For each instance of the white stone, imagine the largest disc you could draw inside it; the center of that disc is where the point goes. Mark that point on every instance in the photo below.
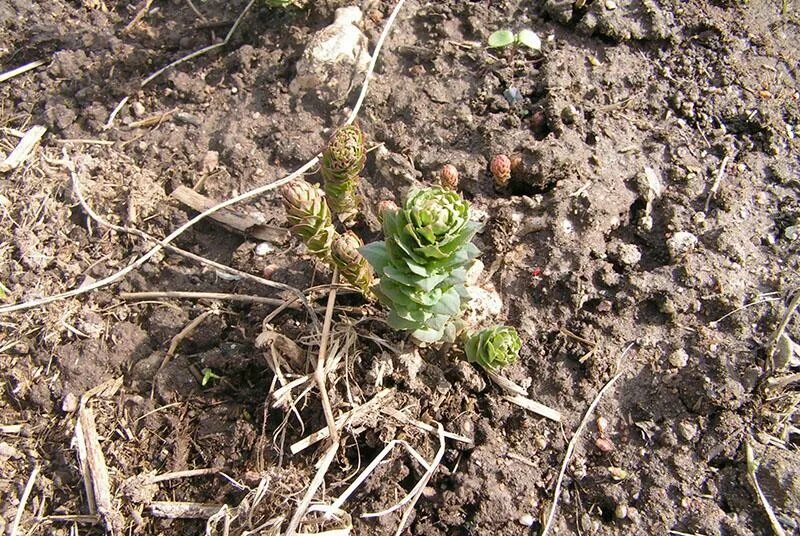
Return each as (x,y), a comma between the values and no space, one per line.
(681,243)
(264,248)
(333,57)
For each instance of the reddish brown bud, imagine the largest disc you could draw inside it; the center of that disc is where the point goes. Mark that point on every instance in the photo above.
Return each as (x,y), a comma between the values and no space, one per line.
(448,177)
(385,206)
(501,170)
(603,444)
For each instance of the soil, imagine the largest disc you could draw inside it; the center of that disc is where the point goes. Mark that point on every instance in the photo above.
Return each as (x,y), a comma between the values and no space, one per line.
(610,236)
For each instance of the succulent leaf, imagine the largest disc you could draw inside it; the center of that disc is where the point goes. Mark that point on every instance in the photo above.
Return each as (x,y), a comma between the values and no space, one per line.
(421,262)
(493,347)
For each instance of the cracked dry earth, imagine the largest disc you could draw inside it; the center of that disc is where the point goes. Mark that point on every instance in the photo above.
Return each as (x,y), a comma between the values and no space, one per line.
(654,207)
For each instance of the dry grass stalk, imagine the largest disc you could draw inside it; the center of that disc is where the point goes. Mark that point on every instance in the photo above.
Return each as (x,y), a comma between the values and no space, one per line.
(342,420)
(23,149)
(183,510)
(8,75)
(752,467)
(93,467)
(517,395)
(23,500)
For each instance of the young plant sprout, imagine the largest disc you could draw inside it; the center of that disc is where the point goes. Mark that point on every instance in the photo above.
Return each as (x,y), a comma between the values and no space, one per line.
(501,170)
(421,263)
(208,375)
(504,38)
(309,217)
(493,347)
(342,162)
(353,267)
(448,177)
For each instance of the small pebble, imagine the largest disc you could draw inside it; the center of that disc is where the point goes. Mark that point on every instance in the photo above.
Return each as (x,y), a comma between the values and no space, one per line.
(680,244)
(569,114)
(687,430)
(70,403)
(629,254)
(679,358)
(621,511)
(602,424)
(611,5)
(138,108)
(526,520)
(264,248)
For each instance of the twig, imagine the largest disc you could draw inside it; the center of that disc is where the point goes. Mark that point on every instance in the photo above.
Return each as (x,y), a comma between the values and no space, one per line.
(717,181)
(324,433)
(23,500)
(139,16)
(201,296)
(370,468)
(752,467)
(185,332)
(573,442)
(86,141)
(86,433)
(402,417)
(742,308)
(519,396)
(23,148)
(371,67)
(114,113)
(8,75)
(238,222)
(420,487)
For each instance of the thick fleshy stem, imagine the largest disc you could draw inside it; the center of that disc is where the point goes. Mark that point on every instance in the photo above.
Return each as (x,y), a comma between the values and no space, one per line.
(309,217)
(341,164)
(352,265)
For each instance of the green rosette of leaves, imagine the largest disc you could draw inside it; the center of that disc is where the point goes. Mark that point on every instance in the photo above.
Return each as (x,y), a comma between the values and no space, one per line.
(342,162)
(422,263)
(309,217)
(351,264)
(493,347)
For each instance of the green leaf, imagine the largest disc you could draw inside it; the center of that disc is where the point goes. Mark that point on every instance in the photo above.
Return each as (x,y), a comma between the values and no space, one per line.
(501,38)
(376,255)
(530,39)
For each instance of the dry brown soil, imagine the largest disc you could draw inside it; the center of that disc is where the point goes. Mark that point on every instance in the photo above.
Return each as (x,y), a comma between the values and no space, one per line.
(623,124)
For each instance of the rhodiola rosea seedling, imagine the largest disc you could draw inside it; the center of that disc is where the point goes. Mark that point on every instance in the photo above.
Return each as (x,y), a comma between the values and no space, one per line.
(310,220)
(309,217)
(493,347)
(342,162)
(422,263)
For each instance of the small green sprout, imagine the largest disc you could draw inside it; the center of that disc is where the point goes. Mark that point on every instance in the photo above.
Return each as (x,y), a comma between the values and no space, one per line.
(208,375)
(493,347)
(504,38)
(3,292)
(422,263)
